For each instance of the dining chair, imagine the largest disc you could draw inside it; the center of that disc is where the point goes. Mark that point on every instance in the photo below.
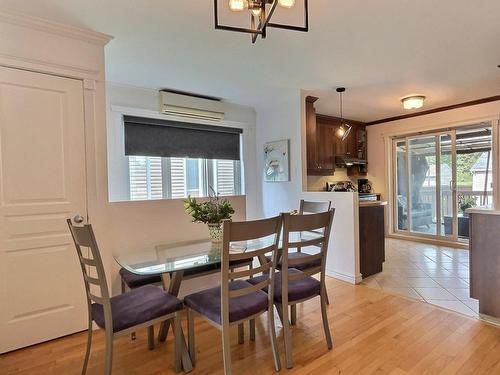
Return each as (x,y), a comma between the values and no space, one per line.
(306,208)
(238,301)
(294,286)
(121,315)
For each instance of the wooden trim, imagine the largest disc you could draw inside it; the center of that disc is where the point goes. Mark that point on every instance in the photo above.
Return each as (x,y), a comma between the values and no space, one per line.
(336,120)
(56,28)
(436,110)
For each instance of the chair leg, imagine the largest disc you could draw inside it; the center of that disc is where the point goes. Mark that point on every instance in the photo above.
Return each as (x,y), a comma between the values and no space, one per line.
(241,333)
(327,300)
(252,329)
(89,344)
(226,350)
(287,337)
(151,337)
(293,315)
(109,352)
(192,349)
(274,343)
(324,317)
(178,342)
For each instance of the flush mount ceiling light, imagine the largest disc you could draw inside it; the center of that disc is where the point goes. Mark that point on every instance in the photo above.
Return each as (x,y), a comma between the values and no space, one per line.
(261,13)
(413,101)
(344,129)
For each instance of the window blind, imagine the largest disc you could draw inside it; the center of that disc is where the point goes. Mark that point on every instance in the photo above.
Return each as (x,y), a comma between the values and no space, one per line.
(224,177)
(145,178)
(165,138)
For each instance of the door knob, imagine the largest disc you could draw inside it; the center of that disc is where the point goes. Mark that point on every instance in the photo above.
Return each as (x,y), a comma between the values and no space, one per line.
(78,219)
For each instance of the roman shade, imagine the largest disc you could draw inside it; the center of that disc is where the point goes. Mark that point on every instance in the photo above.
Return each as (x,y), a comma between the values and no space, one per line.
(166,138)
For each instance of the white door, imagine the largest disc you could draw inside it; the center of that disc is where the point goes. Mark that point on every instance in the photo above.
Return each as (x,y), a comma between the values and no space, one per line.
(42,182)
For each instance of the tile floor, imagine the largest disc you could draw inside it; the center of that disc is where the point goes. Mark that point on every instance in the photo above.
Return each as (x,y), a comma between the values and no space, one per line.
(434,274)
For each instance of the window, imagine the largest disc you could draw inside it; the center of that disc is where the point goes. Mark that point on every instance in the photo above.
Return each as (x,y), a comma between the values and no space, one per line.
(172,160)
(176,178)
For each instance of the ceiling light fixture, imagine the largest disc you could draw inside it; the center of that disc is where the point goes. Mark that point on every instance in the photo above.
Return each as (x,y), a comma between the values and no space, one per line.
(413,101)
(261,13)
(344,129)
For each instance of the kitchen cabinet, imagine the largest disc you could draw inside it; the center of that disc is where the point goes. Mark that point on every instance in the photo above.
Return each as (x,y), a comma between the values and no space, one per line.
(322,144)
(326,147)
(371,238)
(319,147)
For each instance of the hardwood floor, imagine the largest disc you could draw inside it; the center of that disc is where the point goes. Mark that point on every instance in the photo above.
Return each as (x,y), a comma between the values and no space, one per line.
(373,332)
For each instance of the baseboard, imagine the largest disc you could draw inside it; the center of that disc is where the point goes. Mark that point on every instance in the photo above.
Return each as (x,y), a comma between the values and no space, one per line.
(347,277)
(490,319)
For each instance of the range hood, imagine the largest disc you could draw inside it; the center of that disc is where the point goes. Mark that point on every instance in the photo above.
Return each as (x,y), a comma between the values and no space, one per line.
(345,161)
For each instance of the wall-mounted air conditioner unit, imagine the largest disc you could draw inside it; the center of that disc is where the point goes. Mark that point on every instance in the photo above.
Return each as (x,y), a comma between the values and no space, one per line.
(175,104)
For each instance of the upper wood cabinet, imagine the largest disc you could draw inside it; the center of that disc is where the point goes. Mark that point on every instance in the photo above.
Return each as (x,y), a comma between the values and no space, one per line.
(320,149)
(311,135)
(323,145)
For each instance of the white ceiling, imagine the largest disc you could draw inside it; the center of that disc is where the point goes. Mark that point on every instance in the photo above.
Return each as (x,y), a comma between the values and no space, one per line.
(380,50)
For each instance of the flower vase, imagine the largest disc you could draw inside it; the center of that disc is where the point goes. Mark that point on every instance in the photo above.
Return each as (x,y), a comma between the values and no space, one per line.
(215,232)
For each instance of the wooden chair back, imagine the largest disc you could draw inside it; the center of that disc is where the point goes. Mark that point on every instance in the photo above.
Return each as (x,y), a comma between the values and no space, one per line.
(91,265)
(308,207)
(257,238)
(311,230)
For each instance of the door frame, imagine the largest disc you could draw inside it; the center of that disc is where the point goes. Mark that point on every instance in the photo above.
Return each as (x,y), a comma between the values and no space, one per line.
(86,64)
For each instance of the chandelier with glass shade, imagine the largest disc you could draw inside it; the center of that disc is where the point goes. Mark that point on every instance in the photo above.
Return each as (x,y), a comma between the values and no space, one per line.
(260,13)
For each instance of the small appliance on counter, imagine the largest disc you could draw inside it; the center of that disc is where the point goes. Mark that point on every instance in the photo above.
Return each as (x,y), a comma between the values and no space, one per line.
(369,197)
(340,186)
(365,191)
(364,186)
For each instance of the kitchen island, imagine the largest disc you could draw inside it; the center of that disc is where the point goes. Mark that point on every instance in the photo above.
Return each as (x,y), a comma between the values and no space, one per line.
(485,261)
(344,257)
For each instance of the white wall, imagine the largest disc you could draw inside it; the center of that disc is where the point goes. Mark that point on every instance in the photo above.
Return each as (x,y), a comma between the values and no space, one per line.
(378,135)
(281,120)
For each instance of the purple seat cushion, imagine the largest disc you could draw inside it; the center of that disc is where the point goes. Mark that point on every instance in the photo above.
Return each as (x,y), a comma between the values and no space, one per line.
(297,289)
(134,281)
(137,306)
(208,302)
(302,266)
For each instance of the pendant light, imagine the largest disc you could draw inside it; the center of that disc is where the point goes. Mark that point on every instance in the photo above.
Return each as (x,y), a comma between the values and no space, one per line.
(261,16)
(344,129)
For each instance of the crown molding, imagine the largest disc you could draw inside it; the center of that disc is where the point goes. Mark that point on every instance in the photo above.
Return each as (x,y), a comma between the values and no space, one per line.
(52,27)
(436,110)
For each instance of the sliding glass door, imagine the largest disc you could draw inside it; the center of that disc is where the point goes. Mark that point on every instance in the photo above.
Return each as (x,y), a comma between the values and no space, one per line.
(437,177)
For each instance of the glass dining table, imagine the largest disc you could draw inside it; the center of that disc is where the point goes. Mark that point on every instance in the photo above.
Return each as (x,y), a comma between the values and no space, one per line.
(180,261)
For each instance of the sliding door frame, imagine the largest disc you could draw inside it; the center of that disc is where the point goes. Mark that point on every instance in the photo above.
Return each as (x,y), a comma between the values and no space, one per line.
(391,176)
(437,211)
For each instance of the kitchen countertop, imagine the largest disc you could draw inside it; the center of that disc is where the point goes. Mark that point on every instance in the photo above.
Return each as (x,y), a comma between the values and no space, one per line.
(372,203)
(483,210)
